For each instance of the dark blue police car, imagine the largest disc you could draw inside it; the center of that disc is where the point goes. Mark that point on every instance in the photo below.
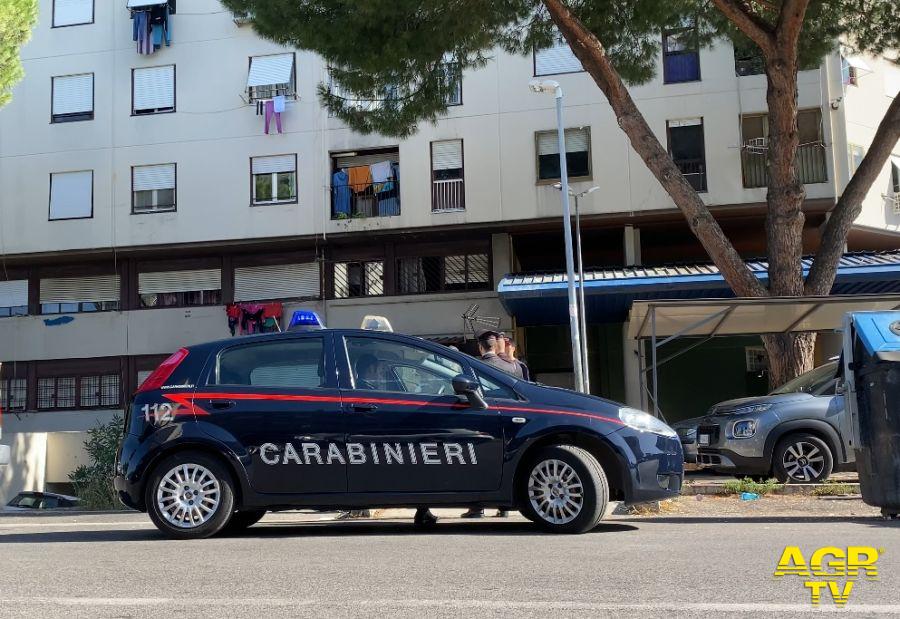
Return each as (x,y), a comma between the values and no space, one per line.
(220,433)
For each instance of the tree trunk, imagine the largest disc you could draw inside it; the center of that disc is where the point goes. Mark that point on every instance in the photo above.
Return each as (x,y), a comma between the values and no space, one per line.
(790,354)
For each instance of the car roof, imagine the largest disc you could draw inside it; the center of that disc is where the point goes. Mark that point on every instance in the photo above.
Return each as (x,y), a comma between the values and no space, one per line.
(267,337)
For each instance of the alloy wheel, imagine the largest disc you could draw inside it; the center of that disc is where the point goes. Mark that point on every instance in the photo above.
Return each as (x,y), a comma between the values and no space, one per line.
(803,461)
(188,495)
(555,491)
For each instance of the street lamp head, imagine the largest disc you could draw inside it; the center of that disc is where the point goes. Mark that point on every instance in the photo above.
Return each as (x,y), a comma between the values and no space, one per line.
(546,86)
(591,190)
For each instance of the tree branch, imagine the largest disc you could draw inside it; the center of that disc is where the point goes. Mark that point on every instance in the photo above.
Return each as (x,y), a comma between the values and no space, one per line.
(588,49)
(756,29)
(824,267)
(790,23)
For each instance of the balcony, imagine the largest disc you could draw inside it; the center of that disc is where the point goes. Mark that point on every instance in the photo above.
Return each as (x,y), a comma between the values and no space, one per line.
(365,184)
(810,164)
(448,195)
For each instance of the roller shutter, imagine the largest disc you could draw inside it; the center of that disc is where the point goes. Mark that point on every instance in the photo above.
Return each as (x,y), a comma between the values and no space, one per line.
(80,289)
(154,88)
(270,70)
(179,281)
(447,155)
(271,165)
(14,293)
(150,177)
(73,94)
(72,12)
(71,195)
(282,281)
(577,140)
(556,59)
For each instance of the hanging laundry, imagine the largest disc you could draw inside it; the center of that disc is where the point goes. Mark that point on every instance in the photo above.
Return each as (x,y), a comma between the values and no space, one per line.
(271,317)
(270,114)
(381,171)
(279,102)
(389,197)
(360,178)
(340,193)
(234,316)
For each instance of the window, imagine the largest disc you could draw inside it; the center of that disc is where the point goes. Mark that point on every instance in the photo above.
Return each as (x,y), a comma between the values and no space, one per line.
(72,12)
(578,154)
(365,183)
(681,58)
(14,298)
(180,288)
(153,188)
(383,365)
(68,392)
(558,58)
(13,394)
(687,149)
(289,364)
(71,195)
(453,81)
(274,179)
(358,279)
(748,59)
(443,273)
(153,90)
(849,74)
(856,154)
(72,98)
(69,295)
(493,389)
(271,76)
(895,184)
(448,191)
(279,281)
(810,162)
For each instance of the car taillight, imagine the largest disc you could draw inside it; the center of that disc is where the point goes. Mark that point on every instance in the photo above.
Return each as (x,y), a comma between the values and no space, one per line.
(161,374)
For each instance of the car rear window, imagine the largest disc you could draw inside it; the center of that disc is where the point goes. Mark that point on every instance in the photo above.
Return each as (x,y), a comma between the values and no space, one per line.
(290,364)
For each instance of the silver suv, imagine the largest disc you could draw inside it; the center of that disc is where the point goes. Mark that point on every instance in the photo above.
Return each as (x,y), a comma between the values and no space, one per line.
(799,432)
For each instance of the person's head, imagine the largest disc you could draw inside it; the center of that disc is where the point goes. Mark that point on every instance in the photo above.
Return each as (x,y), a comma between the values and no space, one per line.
(501,344)
(488,341)
(367,367)
(510,347)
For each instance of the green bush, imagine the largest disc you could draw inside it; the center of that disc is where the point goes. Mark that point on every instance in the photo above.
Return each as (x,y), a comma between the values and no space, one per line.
(94,482)
(737,486)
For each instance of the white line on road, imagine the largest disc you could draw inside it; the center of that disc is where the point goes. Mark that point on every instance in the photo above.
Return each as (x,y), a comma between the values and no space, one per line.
(455,604)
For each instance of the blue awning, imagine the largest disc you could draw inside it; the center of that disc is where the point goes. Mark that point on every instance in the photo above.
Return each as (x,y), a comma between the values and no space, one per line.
(540,298)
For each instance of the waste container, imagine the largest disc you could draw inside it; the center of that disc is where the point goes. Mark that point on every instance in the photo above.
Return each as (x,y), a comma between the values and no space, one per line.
(872,393)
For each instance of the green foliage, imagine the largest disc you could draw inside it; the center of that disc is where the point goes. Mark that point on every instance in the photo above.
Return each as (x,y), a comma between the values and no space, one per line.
(834,488)
(94,482)
(394,52)
(737,486)
(16,19)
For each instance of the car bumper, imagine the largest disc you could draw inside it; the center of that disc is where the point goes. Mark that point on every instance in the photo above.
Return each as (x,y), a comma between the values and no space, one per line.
(730,461)
(128,481)
(4,455)
(655,470)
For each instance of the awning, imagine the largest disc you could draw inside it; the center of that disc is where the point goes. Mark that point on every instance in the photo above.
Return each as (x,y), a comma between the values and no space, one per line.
(707,317)
(270,70)
(140,4)
(540,299)
(858,63)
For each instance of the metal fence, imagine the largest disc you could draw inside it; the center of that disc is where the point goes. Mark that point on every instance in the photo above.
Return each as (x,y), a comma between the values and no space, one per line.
(810,164)
(448,195)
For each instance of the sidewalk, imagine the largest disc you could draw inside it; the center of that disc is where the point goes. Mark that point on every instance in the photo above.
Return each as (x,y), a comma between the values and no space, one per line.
(702,482)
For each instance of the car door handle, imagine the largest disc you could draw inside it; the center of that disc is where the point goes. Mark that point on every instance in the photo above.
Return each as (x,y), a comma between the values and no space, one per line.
(223,405)
(365,408)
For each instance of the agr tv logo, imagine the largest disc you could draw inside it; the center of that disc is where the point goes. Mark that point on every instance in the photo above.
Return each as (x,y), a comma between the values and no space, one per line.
(838,569)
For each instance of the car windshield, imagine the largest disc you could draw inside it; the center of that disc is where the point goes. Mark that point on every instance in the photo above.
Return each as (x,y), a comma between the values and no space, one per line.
(814,382)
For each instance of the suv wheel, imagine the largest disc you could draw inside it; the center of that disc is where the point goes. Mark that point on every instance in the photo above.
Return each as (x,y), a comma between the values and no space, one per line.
(564,490)
(190,496)
(802,458)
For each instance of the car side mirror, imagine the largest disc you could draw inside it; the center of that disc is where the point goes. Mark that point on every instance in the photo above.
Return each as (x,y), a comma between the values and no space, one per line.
(470,388)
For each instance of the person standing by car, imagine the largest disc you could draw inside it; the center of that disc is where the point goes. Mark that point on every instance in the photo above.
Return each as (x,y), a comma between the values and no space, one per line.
(491,348)
(509,355)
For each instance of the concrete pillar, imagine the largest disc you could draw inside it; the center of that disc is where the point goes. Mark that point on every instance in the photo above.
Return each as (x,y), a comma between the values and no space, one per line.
(502,258)
(631,363)
(632,246)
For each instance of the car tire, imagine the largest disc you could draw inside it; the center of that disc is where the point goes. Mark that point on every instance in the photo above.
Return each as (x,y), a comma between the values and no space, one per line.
(802,458)
(184,477)
(243,520)
(549,490)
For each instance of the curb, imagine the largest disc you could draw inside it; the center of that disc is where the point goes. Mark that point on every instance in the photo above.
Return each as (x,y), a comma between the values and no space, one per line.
(782,490)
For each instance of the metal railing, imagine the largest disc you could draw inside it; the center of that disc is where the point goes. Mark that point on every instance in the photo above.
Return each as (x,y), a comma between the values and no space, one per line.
(448,195)
(810,164)
(360,200)
(694,170)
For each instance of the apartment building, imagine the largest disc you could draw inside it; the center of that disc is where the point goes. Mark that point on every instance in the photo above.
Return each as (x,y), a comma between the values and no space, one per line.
(170,178)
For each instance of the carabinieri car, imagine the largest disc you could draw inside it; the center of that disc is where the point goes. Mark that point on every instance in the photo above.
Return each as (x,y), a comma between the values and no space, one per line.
(220,433)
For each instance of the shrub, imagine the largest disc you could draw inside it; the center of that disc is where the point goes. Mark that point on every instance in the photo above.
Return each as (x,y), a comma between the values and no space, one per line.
(737,486)
(94,482)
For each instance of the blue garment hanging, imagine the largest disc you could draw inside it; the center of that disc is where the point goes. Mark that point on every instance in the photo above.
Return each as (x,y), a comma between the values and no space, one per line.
(340,192)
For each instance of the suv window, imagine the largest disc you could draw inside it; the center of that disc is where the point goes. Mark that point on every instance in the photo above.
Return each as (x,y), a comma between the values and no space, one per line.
(381,365)
(291,364)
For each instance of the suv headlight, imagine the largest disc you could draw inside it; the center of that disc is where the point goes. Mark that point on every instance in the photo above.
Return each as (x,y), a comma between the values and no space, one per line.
(639,420)
(744,429)
(750,410)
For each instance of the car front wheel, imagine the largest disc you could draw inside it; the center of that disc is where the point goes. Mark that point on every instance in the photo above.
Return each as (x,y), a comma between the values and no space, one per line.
(802,458)
(190,496)
(565,490)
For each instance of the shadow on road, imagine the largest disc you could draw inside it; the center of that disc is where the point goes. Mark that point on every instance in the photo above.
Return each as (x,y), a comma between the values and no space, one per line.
(309,529)
(873,521)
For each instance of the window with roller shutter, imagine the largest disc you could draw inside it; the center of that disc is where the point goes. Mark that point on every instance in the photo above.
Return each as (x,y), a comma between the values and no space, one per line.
(69,295)
(71,195)
(187,288)
(271,76)
(274,179)
(14,298)
(72,12)
(72,98)
(153,188)
(448,191)
(578,154)
(277,282)
(556,59)
(153,90)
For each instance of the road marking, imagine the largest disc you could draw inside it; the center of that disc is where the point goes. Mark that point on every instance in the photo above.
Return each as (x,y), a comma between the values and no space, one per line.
(457,604)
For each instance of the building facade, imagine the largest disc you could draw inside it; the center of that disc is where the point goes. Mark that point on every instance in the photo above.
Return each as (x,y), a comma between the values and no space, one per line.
(171,178)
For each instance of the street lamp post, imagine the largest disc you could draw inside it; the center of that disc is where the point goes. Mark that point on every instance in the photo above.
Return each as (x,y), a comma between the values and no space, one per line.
(549,86)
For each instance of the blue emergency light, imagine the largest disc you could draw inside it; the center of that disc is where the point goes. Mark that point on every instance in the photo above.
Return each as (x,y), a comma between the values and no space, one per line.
(305,320)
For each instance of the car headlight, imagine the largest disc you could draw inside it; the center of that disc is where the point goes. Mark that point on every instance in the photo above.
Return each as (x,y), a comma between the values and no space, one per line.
(639,420)
(744,429)
(750,410)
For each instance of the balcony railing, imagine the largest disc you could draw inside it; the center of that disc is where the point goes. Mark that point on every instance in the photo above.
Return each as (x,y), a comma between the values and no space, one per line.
(694,170)
(810,166)
(352,201)
(448,195)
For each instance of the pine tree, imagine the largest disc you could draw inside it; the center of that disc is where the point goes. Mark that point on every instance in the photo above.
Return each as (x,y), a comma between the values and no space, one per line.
(16,19)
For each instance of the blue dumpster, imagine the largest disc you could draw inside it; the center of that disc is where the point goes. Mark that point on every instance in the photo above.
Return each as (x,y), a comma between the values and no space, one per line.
(872,386)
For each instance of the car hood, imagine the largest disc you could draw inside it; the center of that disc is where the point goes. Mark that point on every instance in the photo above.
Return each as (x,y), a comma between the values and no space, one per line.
(724,408)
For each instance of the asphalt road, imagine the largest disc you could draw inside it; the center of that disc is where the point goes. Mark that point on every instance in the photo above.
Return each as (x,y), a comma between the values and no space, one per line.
(289,565)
